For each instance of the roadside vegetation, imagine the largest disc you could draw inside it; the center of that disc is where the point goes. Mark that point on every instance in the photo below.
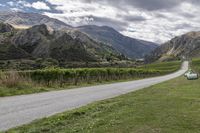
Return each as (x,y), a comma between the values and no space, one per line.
(169,107)
(34,81)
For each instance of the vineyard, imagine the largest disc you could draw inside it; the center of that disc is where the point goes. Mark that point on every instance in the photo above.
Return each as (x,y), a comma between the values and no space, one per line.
(78,76)
(22,82)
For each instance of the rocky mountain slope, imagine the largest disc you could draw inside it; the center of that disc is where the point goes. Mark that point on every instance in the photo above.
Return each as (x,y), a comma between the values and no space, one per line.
(25,20)
(132,48)
(39,42)
(185,46)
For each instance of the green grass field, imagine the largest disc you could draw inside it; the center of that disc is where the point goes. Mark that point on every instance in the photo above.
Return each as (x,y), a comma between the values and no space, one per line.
(196,64)
(173,65)
(169,107)
(57,79)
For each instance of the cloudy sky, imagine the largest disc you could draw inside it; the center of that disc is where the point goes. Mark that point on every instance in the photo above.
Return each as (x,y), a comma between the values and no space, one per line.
(153,20)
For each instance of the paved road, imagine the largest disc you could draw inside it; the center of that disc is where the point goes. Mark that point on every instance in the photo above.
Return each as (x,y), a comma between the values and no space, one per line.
(18,110)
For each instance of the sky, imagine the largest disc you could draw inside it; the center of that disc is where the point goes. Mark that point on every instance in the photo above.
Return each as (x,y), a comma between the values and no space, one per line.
(151,20)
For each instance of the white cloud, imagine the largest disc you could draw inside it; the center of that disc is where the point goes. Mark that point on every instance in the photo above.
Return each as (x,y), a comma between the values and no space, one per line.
(40,5)
(16,9)
(11,3)
(76,13)
(24,3)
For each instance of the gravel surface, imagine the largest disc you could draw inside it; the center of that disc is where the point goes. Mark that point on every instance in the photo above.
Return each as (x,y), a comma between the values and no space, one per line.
(19,110)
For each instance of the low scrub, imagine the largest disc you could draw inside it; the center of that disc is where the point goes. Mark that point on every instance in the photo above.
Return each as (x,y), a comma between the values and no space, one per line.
(26,82)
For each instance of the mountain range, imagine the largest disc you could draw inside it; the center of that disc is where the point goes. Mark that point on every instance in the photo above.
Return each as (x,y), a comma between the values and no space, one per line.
(40,42)
(24,35)
(130,47)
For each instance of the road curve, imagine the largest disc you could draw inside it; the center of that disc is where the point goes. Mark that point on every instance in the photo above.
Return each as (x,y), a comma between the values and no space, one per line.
(19,110)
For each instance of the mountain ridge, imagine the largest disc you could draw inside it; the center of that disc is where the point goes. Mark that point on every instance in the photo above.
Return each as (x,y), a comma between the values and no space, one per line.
(130,47)
(28,20)
(133,48)
(180,47)
(39,42)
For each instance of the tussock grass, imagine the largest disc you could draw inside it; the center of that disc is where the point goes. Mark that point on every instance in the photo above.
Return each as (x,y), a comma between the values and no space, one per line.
(12,83)
(11,79)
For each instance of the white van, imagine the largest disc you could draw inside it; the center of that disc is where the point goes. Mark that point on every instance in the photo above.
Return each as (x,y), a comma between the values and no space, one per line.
(192,76)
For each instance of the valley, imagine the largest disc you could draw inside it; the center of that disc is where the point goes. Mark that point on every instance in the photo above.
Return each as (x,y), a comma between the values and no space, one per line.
(57,77)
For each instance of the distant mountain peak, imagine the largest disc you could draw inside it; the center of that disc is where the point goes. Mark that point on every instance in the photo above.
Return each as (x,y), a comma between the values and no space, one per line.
(30,19)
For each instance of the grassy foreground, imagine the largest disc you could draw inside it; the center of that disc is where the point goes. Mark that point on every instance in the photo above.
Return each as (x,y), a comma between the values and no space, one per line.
(170,107)
(27,82)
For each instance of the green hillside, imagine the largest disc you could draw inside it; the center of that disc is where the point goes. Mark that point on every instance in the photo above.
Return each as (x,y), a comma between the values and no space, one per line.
(196,64)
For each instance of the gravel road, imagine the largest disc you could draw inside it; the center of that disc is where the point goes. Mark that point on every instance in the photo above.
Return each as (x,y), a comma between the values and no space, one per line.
(19,110)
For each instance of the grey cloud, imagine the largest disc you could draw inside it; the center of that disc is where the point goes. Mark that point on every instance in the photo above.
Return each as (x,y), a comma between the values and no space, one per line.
(187,15)
(150,5)
(132,18)
(160,15)
(100,21)
(183,26)
(118,25)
